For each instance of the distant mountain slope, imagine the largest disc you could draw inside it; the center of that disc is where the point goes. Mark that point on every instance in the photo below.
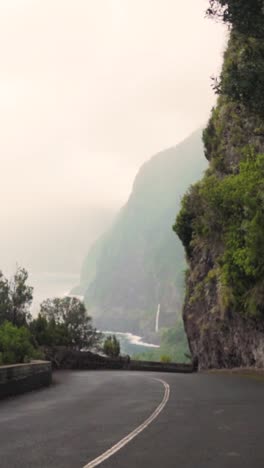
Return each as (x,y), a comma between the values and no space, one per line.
(139,263)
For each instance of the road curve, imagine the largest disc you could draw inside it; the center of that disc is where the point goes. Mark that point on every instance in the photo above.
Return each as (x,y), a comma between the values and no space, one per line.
(209,421)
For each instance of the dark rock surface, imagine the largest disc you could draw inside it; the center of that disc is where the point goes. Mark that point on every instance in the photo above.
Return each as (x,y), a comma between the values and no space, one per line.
(220,334)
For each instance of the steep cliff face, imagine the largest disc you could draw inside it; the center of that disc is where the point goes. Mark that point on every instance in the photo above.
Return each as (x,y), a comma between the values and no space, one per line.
(136,266)
(221,222)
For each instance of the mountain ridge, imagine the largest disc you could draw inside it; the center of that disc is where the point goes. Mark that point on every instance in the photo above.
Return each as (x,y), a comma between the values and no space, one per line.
(135,266)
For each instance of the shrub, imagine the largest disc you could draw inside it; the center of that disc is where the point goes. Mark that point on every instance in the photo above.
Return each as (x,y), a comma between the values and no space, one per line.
(165,359)
(15,344)
(111,346)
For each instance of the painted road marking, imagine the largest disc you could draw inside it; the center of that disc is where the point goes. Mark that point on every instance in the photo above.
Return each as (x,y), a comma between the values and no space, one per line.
(134,433)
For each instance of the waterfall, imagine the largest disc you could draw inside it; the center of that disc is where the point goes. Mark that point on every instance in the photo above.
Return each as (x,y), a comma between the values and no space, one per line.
(157,319)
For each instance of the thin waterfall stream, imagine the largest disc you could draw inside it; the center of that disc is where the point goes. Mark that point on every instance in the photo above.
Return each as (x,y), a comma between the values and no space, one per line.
(157,319)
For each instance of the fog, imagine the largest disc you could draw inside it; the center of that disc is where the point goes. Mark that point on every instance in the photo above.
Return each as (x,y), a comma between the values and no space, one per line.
(89,90)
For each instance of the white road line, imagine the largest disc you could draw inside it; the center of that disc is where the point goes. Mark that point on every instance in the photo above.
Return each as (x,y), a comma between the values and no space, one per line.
(134,433)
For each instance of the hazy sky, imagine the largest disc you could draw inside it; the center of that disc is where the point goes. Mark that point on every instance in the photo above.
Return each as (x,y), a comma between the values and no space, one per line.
(90,89)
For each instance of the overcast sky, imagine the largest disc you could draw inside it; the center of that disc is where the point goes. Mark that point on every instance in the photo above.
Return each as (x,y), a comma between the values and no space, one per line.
(90,89)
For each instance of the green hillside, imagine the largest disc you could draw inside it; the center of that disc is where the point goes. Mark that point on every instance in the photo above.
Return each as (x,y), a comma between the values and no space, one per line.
(136,265)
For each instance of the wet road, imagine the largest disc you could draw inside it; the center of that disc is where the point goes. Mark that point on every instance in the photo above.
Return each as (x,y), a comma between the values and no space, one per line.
(209,421)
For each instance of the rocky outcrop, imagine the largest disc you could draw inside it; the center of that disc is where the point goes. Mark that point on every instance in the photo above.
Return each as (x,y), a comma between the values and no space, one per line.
(218,337)
(221,220)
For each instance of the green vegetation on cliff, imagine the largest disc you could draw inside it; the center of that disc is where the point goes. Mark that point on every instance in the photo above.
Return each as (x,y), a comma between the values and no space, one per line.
(230,211)
(245,16)
(173,346)
(242,79)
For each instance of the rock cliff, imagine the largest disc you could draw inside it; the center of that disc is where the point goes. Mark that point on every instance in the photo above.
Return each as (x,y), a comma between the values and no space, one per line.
(221,222)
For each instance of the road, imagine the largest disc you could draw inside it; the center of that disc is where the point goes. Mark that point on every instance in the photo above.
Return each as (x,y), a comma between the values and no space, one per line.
(209,421)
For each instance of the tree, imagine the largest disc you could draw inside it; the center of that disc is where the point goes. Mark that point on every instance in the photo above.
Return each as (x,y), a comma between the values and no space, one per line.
(49,333)
(242,78)
(64,321)
(111,346)
(246,16)
(15,298)
(39,328)
(4,299)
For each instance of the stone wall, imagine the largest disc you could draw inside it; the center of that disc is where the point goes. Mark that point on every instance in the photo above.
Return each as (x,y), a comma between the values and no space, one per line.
(160,367)
(21,378)
(63,358)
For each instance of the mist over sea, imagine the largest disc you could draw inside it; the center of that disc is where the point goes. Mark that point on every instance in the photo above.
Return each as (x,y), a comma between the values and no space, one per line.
(49,285)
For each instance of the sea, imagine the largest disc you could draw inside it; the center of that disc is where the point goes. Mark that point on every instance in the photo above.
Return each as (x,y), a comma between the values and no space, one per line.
(49,285)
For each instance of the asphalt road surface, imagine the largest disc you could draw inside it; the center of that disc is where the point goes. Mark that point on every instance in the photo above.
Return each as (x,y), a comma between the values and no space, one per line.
(208,421)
